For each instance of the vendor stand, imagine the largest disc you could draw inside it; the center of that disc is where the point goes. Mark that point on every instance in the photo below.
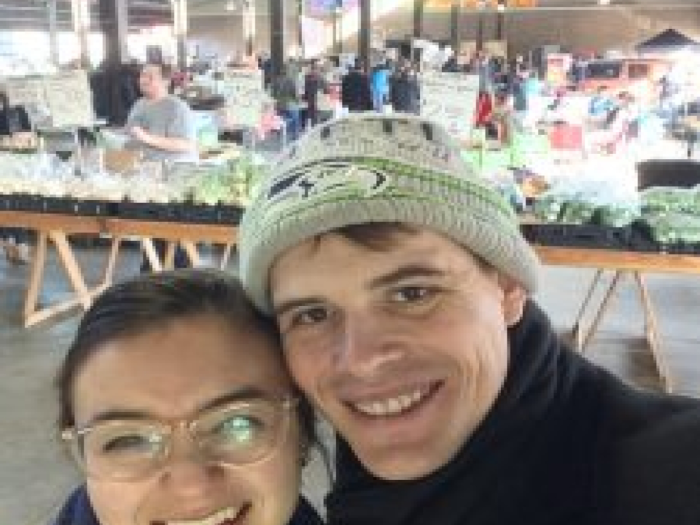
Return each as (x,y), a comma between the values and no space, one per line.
(56,229)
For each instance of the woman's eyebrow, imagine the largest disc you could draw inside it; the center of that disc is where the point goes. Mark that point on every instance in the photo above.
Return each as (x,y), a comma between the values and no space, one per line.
(241,394)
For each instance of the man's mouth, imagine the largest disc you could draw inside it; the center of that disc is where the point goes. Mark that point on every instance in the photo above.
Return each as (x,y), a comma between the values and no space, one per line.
(227,516)
(396,404)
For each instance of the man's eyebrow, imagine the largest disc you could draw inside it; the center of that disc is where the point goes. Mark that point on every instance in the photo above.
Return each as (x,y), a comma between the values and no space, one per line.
(409,271)
(242,394)
(286,306)
(404,272)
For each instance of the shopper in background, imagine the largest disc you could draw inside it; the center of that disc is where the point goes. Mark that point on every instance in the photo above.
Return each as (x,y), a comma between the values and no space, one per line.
(380,85)
(314,83)
(178,408)
(15,241)
(356,93)
(404,89)
(162,125)
(285,92)
(454,400)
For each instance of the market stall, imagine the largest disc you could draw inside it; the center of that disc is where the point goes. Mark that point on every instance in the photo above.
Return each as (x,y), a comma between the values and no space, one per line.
(56,230)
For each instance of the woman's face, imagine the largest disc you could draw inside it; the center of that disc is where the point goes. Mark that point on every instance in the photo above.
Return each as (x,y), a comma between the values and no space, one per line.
(170,374)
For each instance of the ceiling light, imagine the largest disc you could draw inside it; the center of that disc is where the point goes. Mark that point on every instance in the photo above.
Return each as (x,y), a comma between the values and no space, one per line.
(603,2)
(230,5)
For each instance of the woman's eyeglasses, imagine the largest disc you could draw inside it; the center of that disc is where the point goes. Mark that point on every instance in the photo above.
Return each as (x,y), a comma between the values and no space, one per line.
(235,434)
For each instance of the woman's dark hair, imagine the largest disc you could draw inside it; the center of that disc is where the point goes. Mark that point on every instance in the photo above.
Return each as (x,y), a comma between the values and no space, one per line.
(145,303)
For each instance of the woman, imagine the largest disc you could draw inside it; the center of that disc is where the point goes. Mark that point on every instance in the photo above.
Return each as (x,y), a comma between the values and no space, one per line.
(176,404)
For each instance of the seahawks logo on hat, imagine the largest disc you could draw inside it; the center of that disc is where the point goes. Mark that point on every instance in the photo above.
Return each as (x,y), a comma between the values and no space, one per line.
(327,178)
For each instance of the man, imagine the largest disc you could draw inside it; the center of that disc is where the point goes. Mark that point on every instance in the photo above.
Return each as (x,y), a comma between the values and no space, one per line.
(314,85)
(404,89)
(164,128)
(355,92)
(161,125)
(400,285)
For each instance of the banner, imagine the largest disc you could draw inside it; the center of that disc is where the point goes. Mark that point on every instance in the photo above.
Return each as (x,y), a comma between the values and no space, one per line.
(313,34)
(59,101)
(450,99)
(245,96)
(70,100)
(327,8)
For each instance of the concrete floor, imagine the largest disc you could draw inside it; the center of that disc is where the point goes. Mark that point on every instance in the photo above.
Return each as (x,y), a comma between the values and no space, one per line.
(35,475)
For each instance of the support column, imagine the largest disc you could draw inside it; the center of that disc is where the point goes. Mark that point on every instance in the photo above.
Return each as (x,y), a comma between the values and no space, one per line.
(455,15)
(480,29)
(53,31)
(418,10)
(365,43)
(249,28)
(115,14)
(180,26)
(81,25)
(277,36)
(500,24)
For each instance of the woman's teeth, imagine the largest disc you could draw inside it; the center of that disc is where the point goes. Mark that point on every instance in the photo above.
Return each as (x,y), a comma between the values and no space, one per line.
(217,518)
(394,405)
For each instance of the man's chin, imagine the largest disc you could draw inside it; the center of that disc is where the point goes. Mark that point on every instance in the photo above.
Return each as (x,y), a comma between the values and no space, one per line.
(400,465)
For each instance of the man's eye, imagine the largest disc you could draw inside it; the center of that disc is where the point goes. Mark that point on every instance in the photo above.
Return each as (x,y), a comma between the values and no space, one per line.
(409,294)
(310,316)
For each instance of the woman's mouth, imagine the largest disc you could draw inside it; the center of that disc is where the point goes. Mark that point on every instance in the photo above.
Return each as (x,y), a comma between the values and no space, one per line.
(226,516)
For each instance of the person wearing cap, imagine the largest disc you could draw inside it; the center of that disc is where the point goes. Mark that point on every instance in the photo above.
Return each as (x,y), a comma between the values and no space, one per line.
(401,287)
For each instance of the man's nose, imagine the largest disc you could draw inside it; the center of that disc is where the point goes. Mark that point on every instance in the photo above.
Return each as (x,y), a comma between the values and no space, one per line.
(366,345)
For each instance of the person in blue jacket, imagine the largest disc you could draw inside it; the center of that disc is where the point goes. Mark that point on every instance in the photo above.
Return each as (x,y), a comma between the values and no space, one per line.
(176,405)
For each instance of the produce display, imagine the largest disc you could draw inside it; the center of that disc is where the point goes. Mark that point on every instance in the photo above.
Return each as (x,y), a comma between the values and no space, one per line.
(42,182)
(673,228)
(671,200)
(659,218)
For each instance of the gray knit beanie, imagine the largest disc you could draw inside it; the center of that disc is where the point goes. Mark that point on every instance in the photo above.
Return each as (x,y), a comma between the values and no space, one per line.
(377,168)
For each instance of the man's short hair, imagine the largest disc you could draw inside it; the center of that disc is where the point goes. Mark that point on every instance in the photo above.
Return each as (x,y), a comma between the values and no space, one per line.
(166,70)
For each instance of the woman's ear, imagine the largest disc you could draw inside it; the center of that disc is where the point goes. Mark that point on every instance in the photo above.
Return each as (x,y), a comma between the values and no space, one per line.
(514,299)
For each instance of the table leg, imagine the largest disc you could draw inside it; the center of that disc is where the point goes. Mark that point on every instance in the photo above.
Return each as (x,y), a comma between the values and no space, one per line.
(226,257)
(601,310)
(112,261)
(70,265)
(652,334)
(170,249)
(192,253)
(151,254)
(36,277)
(577,331)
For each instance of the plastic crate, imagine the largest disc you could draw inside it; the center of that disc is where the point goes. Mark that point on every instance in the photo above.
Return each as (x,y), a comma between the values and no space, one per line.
(7,202)
(147,211)
(578,235)
(229,214)
(26,202)
(198,213)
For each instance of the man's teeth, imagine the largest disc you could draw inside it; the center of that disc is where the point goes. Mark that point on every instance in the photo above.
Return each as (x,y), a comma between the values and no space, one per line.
(217,518)
(394,405)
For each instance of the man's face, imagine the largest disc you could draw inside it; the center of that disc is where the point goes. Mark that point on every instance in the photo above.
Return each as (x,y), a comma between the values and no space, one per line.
(171,373)
(404,350)
(151,82)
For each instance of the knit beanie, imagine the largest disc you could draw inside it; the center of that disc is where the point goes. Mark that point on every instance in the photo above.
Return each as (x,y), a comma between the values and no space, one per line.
(373,167)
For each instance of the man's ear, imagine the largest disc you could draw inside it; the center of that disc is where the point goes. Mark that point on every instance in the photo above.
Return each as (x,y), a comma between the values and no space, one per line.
(514,299)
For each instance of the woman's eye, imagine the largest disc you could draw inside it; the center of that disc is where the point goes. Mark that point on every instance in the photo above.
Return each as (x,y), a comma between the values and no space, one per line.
(240,429)
(130,443)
